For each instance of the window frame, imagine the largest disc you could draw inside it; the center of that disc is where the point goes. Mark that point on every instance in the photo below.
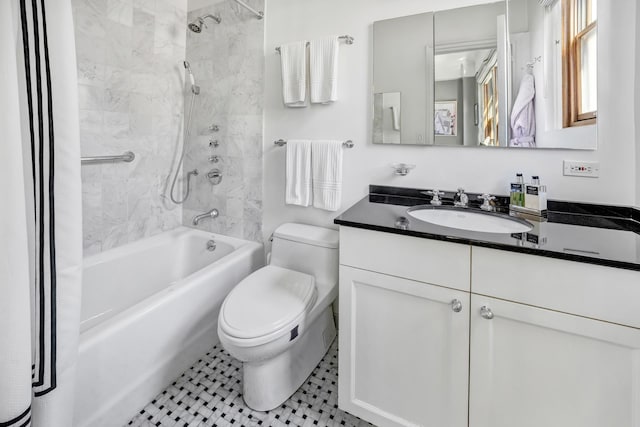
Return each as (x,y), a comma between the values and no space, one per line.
(571,54)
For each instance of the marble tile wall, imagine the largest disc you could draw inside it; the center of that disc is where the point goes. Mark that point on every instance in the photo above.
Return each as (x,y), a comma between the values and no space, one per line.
(130,55)
(228,63)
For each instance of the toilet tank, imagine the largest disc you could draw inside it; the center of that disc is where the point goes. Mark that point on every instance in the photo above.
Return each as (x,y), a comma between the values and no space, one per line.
(307,249)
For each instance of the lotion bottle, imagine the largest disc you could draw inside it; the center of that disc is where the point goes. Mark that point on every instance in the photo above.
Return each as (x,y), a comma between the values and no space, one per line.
(517,191)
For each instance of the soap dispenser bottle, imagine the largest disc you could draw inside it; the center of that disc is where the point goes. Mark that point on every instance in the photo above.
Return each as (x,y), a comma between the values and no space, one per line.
(517,191)
(535,196)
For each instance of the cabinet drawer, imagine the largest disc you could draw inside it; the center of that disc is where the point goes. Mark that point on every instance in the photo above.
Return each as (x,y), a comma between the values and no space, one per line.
(588,290)
(430,261)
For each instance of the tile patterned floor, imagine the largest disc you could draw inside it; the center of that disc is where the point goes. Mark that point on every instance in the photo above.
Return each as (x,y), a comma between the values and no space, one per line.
(210,394)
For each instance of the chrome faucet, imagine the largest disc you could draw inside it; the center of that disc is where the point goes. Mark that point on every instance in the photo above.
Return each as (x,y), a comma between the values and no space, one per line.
(435,200)
(461,199)
(213,213)
(486,204)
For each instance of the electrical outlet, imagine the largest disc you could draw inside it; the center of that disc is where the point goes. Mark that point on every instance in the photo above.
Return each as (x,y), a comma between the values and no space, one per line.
(581,168)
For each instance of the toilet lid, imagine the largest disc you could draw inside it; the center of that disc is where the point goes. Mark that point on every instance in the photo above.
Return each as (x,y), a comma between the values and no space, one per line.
(269,300)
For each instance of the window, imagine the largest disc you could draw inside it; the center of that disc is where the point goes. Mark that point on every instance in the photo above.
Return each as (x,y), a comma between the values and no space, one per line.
(579,62)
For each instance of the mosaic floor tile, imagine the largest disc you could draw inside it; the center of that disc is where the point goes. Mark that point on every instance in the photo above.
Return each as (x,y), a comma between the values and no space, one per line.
(210,394)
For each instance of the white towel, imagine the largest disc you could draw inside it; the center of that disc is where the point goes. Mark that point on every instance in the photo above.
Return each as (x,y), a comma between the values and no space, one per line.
(326,157)
(298,173)
(323,70)
(293,59)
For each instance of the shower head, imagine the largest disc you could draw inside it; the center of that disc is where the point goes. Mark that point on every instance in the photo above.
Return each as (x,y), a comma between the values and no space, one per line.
(197,24)
(194,87)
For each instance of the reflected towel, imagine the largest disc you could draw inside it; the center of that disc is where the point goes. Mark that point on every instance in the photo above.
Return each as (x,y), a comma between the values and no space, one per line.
(298,173)
(293,60)
(323,70)
(327,174)
(523,116)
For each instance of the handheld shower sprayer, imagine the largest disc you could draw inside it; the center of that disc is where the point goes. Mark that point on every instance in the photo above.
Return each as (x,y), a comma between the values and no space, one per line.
(194,87)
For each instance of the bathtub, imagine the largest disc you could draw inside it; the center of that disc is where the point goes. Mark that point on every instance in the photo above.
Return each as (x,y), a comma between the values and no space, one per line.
(149,312)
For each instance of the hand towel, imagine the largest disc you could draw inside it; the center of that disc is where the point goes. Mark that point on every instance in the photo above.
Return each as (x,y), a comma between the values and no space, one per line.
(326,159)
(323,70)
(293,60)
(298,173)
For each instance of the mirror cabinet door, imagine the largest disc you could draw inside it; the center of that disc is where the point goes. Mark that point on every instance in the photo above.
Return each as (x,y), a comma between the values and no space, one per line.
(402,76)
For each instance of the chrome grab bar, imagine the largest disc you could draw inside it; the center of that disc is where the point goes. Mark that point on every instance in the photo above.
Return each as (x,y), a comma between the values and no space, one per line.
(127,157)
(346,144)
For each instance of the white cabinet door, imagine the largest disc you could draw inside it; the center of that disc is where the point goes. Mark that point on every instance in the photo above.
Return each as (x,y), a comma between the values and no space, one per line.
(532,367)
(404,351)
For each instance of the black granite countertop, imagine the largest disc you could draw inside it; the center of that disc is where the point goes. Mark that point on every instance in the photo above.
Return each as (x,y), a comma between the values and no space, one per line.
(595,234)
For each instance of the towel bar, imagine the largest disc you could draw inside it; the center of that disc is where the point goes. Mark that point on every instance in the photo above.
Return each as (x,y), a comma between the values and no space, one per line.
(346,144)
(347,39)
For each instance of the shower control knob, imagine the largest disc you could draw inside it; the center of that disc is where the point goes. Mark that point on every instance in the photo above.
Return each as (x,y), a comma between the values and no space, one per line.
(214,128)
(214,143)
(214,159)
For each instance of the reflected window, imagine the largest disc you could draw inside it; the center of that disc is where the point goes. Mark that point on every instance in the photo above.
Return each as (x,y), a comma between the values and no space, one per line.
(579,62)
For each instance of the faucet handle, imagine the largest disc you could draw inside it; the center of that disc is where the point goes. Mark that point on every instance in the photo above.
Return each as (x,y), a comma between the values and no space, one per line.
(486,197)
(436,197)
(486,204)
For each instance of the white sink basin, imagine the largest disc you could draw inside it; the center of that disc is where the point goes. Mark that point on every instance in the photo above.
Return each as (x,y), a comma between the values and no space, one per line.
(469,220)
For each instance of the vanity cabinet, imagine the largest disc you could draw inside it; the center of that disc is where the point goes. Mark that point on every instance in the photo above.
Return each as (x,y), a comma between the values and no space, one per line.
(404,340)
(405,366)
(538,341)
(534,367)
(553,342)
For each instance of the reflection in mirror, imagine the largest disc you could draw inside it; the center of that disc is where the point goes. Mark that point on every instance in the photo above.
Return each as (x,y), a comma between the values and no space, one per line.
(554,72)
(471,83)
(402,72)
(386,121)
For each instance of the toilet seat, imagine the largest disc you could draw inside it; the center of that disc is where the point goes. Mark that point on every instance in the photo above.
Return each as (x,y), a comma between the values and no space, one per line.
(267,304)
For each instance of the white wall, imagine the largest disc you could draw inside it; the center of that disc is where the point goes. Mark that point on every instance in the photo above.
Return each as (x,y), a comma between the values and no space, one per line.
(476,169)
(637,121)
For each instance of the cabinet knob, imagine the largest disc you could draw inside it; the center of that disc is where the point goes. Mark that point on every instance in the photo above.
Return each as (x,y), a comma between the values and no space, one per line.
(456,305)
(486,312)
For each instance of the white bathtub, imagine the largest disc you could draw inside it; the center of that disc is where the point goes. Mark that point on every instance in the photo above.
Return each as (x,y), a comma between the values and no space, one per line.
(149,311)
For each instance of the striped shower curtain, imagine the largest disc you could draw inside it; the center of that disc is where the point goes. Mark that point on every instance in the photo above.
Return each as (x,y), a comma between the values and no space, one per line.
(40,213)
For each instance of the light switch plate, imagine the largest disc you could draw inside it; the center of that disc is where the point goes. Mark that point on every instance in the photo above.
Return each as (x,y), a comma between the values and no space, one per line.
(581,168)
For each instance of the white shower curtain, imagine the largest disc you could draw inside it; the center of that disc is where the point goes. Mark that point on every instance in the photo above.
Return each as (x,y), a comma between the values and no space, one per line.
(40,213)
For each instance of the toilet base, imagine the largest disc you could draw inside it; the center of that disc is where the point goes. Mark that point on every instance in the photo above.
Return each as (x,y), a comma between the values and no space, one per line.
(269,383)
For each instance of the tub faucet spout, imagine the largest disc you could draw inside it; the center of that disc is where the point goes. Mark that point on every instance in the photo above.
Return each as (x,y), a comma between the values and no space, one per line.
(213,213)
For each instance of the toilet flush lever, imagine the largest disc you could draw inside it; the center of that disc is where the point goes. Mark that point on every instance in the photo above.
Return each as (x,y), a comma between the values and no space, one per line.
(456,305)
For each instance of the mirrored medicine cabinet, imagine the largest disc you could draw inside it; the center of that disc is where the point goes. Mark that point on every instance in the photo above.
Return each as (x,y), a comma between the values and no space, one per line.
(513,73)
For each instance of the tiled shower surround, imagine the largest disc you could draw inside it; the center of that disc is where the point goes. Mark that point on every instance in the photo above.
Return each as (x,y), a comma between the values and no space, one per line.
(130,71)
(228,63)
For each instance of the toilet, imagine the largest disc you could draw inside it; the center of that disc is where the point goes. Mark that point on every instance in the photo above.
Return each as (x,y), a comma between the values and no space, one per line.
(278,321)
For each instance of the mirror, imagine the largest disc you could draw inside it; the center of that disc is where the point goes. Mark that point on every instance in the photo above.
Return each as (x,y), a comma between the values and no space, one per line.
(490,75)
(402,93)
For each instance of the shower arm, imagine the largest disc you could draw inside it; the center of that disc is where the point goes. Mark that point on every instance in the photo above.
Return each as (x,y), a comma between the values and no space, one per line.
(257,13)
(214,17)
